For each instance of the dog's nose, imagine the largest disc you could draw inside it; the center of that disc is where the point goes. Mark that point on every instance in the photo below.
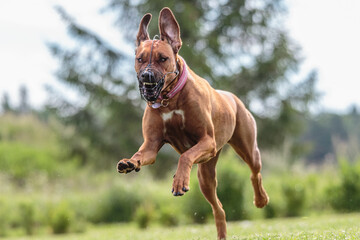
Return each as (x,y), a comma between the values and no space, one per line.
(148,77)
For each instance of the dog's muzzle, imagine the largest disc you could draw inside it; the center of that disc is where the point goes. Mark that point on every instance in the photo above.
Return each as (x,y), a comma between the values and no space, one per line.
(151,83)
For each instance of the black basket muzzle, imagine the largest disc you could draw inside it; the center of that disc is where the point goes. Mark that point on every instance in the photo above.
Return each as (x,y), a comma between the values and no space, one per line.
(151,83)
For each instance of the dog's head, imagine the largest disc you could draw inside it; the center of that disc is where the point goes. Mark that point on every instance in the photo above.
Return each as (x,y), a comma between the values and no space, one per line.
(156,60)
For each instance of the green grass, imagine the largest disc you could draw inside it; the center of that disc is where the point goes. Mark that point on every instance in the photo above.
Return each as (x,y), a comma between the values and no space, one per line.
(323,227)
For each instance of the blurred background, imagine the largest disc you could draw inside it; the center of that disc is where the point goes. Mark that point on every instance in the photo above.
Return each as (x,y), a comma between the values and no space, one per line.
(70,109)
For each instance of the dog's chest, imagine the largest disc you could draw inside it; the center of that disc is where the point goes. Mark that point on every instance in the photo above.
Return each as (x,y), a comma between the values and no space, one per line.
(174,117)
(175,130)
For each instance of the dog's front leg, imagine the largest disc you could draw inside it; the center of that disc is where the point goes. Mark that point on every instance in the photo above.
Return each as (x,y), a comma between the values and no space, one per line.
(144,156)
(201,152)
(153,141)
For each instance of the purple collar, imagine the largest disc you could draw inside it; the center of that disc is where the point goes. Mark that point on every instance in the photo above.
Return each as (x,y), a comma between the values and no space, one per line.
(179,85)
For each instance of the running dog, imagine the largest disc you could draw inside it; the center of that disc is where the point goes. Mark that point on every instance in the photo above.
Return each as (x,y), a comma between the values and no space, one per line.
(195,119)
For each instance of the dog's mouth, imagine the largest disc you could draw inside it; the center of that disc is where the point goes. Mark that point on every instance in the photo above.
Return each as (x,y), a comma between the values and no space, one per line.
(151,91)
(150,85)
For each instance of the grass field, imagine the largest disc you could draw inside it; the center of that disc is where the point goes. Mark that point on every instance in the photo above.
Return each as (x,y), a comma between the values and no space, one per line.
(323,227)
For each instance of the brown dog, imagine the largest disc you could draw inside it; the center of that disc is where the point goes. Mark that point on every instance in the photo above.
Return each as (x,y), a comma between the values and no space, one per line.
(186,112)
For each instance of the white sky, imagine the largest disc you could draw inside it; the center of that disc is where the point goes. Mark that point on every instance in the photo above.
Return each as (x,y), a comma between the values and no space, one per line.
(327,30)
(329,33)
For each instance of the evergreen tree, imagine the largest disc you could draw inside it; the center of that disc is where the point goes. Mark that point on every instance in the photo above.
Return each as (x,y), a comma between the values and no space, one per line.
(5,103)
(333,136)
(24,106)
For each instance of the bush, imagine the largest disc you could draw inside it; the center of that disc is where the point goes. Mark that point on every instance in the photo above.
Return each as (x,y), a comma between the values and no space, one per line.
(232,178)
(196,205)
(345,196)
(61,219)
(231,175)
(27,214)
(143,215)
(295,197)
(3,226)
(4,221)
(168,217)
(117,204)
(29,147)
(19,160)
(270,211)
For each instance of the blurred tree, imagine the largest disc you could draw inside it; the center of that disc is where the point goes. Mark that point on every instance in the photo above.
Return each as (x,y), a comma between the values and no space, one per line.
(24,105)
(5,103)
(107,126)
(239,46)
(333,136)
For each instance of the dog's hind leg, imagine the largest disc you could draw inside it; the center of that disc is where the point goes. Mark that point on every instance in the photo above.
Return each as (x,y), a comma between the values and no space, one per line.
(244,143)
(208,184)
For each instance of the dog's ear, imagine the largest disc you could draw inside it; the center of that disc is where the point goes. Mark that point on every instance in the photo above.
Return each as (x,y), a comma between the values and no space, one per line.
(169,29)
(143,29)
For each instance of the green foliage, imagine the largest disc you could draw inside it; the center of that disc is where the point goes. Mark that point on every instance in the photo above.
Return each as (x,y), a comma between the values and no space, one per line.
(32,150)
(4,221)
(3,226)
(27,214)
(270,211)
(196,205)
(295,197)
(232,179)
(168,217)
(339,226)
(117,204)
(29,147)
(144,215)
(21,161)
(28,129)
(321,132)
(345,196)
(148,201)
(61,218)
(332,136)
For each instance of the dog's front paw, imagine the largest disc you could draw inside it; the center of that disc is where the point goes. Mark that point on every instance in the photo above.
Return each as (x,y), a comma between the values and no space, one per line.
(180,185)
(128,165)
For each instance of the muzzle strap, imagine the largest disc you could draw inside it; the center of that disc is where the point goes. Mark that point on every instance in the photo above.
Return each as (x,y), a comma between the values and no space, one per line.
(181,82)
(156,37)
(179,85)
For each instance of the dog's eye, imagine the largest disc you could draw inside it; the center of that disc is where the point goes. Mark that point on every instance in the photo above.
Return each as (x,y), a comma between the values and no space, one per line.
(163,59)
(139,60)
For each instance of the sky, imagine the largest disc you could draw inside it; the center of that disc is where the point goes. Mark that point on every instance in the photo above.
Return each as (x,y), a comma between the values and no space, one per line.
(327,30)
